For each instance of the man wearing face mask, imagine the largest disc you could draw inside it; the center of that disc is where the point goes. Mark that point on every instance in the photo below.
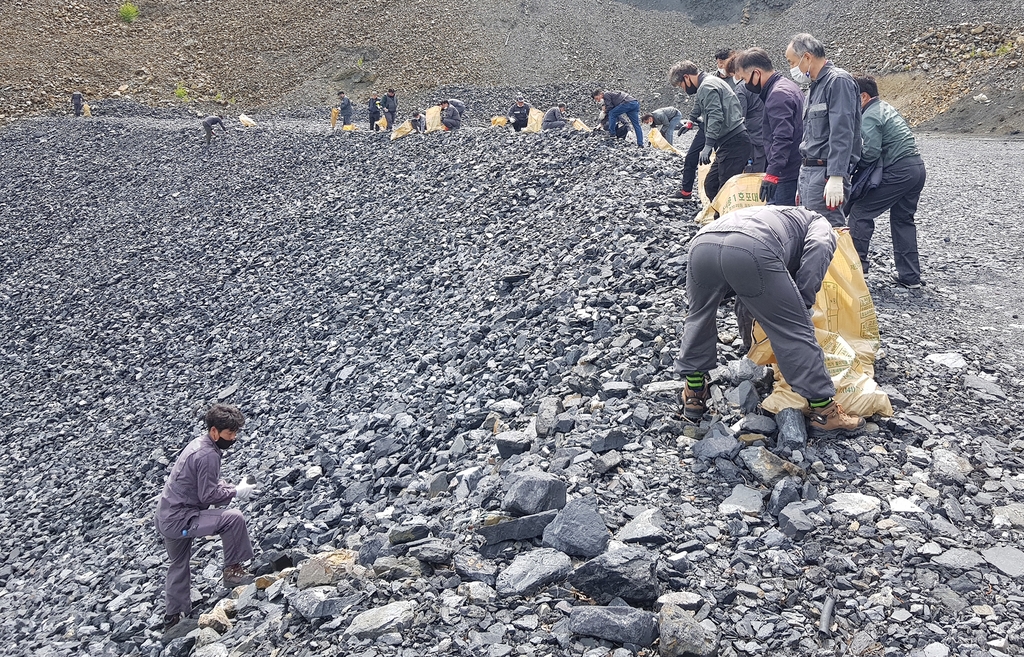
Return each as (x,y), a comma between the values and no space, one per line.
(184,512)
(753,116)
(722,56)
(717,108)
(782,125)
(831,142)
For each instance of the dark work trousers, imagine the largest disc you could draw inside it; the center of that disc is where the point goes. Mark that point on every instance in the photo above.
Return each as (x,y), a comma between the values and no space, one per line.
(785,193)
(230,525)
(811,187)
(390,118)
(757,156)
(731,158)
(346,119)
(691,160)
(519,126)
(724,262)
(373,122)
(899,192)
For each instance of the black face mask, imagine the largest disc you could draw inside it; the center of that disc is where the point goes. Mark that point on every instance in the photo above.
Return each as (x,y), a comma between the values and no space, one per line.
(689,90)
(751,87)
(223,444)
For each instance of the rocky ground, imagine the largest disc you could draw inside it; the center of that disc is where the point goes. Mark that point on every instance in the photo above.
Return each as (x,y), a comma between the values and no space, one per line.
(252,54)
(455,355)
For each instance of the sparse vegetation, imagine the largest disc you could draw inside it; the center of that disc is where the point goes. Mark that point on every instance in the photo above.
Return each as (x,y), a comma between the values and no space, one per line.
(181,92)
(127,12)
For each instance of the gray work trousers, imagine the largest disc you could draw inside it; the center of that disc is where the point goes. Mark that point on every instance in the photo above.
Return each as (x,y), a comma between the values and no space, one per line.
(230,525)
(720,262)
(346,119)
(899,192)
(811,188)
(390,118)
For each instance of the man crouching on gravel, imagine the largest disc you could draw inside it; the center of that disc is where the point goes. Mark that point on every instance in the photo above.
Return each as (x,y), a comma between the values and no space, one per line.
(184,512)
(774,258)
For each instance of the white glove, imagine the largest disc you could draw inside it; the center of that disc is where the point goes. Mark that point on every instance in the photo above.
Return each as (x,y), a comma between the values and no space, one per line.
(243,490)
(511,119)
(834,192)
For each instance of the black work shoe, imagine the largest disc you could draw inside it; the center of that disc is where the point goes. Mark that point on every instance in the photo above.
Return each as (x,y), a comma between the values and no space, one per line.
(695,402)
(684,194)
(895,278)
(170,620)
(831,422)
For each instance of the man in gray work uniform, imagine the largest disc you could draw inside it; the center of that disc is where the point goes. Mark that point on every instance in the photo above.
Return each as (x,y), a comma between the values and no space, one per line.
(718,110)
(831,144)
(184,512)
(889,141)
(208,125)
(666,120)
(774,259)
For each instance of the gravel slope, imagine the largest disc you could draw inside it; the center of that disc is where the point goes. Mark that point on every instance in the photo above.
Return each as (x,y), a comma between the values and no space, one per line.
(367,302)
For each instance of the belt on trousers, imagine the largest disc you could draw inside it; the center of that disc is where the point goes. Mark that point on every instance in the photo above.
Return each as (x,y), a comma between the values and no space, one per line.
(814,163)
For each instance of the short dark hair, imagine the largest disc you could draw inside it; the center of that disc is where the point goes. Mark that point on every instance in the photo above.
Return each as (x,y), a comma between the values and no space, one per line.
(341,93)
(223,417)
(596,92)
(867,85)
(561,105)
(804,43)
(645,117)
(391,91)
(754,58)
(443,102)
(681,69)
(723,54)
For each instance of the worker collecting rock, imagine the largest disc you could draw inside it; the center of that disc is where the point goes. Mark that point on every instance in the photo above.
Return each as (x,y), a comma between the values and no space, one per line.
(77,103)
(519,114)
(374,110)
(616,104)
(390,106)
(183,511)
(555,118)
(209,123)
(344,108)
(450,117)
(774,259)
(666,120)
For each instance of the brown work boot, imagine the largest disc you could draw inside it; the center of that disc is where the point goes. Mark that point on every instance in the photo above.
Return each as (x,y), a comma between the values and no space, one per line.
(695,402)
(170,620)
(832,422)
(237,575)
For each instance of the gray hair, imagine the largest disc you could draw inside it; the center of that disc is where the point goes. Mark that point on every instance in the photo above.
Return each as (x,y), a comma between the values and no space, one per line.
(805,43)
(681,69)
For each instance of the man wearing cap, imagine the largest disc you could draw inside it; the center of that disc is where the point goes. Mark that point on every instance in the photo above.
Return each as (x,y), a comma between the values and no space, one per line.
(519,114)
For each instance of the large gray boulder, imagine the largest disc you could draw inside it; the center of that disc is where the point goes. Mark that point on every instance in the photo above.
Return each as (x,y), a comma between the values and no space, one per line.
(534,492)
(578,530)
(532,570)
(627,572)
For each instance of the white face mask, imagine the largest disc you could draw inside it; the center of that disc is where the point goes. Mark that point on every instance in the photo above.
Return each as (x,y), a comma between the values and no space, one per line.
(799,76)
(737,80)
(721,72)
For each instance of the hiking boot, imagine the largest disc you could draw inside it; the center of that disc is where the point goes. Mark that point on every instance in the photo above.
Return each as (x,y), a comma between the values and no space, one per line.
(170,620)
(695,402)
(832,422)
(237,575)
(895,278)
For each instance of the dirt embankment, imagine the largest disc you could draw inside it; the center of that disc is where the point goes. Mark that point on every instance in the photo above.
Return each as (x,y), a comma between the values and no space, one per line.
(248,54)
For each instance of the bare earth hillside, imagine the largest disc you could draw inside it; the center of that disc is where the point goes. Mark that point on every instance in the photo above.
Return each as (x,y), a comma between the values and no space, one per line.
(252,54)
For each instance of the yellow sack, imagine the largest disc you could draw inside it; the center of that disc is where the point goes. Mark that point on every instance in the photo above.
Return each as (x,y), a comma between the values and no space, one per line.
(434,118)
(499,121)
(246,121)
(86,110)
(658,141)
(846,327)
(402,130)
(578,124)
(349,128)
(382,123)
(535,122)
(702,174)
(741,191)
(334,117)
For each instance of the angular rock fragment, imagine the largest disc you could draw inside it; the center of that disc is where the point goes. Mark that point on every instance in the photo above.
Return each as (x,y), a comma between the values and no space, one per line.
(533,570)
(682,636)
(617,624)
(517,529)
(328,568)
(627,572)
(533,492)
(578,530)
(511,443)
(647,527)
(373,623)
(768,468)
(742,500)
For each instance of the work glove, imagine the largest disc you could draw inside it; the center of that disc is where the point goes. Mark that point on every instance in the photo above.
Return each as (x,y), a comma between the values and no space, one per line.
(834,192)
(684,127)
(511,119)
(445,128)
(244,489)
(705,155)
(768,185)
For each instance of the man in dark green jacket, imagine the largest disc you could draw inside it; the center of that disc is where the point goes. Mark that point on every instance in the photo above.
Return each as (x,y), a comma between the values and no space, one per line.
(889,141)
(717,108)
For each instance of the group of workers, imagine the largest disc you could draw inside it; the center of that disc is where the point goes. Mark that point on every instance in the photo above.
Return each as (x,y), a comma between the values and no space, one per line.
(841,152)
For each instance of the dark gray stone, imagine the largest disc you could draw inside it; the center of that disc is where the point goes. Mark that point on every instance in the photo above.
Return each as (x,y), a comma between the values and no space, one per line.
(533,570)
(613,439)
(547,414)
(744,396)
(754,423)
(408,533)
(472,567)
(785,492)
(648,527)
(565,422)
(517,529)
(793,520)
(628,573)
(511,443)
(716,445)
(533,492)
(792,430)
(607,461)
(578,530)
(616,624)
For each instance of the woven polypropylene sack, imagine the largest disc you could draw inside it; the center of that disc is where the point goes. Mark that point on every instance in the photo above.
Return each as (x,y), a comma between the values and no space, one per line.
(741,191)
(846,327)
(402,130)
(535,122)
